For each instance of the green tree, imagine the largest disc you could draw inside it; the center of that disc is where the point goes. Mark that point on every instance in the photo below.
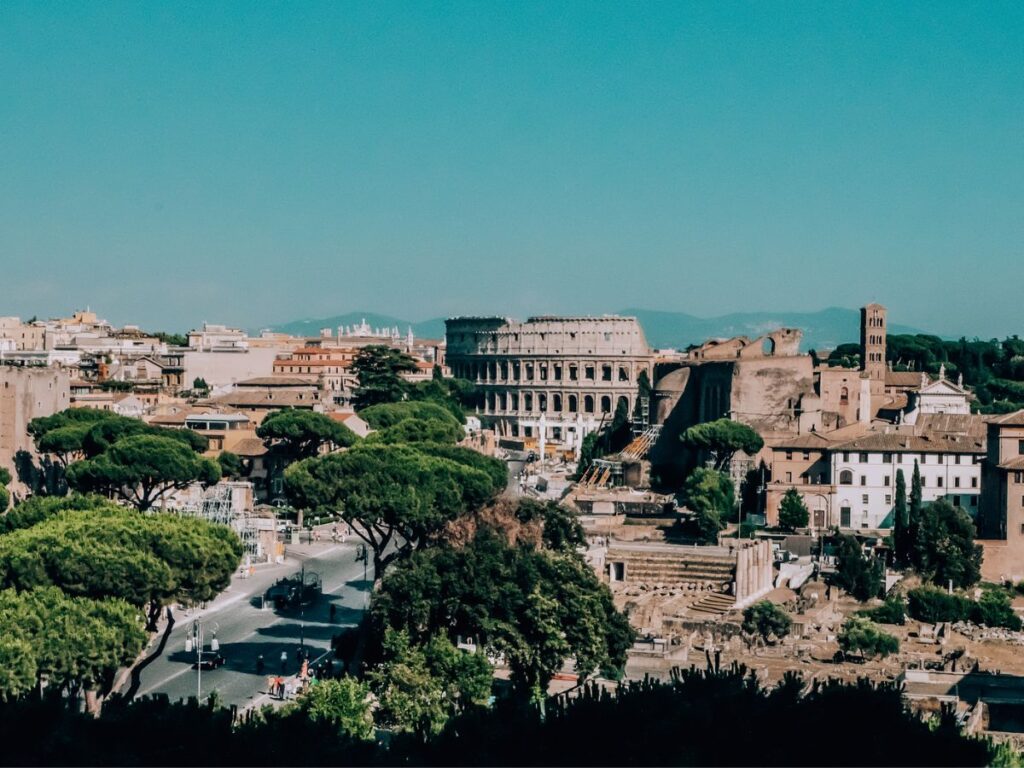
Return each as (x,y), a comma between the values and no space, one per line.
(710,496)
(901,521)
(74,644)
(395,497)
(857,574)
(994,609)
(561,529)
(380,370)
(142,470)
(344,704)
(172,339)
(99,552)
(388,415)
(230,464)
(927,603)
(536,607)
(588,452)
(36,509)
(722,439)
(766,620)
(793,513)
(916,552)
(946,551)
(199,384)
(298,433)
(892,611)
(112,429)
(420,431)
(862,636)
(421,687)
(5,495)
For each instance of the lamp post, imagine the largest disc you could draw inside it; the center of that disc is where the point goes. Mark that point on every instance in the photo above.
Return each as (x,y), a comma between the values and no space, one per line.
(197,642)
(363,554)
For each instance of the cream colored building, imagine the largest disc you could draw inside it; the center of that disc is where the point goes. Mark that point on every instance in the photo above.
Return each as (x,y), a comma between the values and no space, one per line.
(27,392)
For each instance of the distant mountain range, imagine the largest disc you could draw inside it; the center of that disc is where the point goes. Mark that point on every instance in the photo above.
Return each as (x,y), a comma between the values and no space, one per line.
(824,329)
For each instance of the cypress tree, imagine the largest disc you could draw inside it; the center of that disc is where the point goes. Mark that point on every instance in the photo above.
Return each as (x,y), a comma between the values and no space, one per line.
(901,520)
(914,518)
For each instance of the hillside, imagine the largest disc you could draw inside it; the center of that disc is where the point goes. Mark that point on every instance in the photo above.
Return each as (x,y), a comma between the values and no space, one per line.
(825,329)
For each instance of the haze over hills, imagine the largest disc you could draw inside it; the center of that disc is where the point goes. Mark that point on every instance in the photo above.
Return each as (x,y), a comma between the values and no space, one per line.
(824,329)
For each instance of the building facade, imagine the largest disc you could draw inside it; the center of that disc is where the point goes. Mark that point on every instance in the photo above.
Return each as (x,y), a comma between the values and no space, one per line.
(27,392)
(551,378)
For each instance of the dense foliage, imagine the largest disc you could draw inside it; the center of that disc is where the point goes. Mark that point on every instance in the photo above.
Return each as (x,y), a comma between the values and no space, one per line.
(709,495)
(380,370)
(857,573)
(793,512)
(767,621)
(299,433)
(722,439)
(862,636)
(697,718)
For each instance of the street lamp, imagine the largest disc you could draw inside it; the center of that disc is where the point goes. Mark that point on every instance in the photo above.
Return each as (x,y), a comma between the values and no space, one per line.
(363,555)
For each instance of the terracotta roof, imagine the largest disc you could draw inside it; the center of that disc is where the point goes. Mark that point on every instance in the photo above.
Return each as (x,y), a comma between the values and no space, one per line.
(249,446)
(313,363)
(896,442)
(903,378)
(1017,463)
(245,399)
(273,381)
(1015,419)
(807,440)
(951,423)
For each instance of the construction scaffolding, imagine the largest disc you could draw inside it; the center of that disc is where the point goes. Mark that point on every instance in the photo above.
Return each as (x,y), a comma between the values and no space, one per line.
(223,504)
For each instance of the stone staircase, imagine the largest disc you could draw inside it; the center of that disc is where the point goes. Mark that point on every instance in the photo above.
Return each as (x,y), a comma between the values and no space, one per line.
(714,604)
(673,566)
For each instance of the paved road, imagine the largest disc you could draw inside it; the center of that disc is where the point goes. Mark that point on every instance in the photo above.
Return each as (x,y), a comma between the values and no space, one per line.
(245,630)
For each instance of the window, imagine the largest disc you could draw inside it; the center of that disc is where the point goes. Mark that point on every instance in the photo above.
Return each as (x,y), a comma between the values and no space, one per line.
(527,401)
(573,373)
(863,479)
(588,404)
(887,479)
(589,372)
(558,372)
(974,482)
(864,499)
(573,404)
(846,477)
(899,458)
(529,371)
(863,458)
(1020,447)
(789,455)
(846,455)
(956,482)
(606,404)
(938,482)
(807,455)
(844,517)
(956,459)
(789,477)
(886,458)
(606,373)
(623,373)
(543,373)
(924,459)
(556,402)
(888,499)
(542,402)
(844,396)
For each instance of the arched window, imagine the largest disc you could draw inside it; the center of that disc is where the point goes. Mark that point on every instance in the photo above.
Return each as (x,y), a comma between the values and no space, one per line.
(556,403)
(844,396)
(846,477)
(574,404)
(588,404)
(623,401)
(542,402)
(606,404)
(527,402)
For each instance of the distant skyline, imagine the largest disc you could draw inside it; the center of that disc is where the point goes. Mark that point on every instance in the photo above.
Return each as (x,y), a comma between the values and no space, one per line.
(257,163)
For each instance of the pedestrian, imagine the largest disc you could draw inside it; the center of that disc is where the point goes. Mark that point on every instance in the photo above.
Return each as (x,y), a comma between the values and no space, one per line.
(334,533)
(284,661)
(259,664)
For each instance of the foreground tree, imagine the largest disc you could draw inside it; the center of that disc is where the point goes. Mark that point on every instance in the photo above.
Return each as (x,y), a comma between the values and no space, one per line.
(535,607)
(710,496)
(298,434)
(419,688)
(142,470)
(145,560)
(722,439)
(380,370)
(343,704)
(793,513)
(388,415)
(767,621)
(73,644)
(420,431)
(396,498)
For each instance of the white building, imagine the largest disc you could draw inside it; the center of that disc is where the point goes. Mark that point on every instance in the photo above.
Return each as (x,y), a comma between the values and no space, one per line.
(942,396)
(864,473)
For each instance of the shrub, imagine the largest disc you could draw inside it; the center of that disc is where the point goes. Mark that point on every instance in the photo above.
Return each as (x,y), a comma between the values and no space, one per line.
(892,611)
(860,635)
(931,604)
(766,619)
(993,609)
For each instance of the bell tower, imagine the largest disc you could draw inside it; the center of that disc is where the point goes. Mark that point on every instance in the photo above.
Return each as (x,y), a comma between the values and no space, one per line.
(872,345)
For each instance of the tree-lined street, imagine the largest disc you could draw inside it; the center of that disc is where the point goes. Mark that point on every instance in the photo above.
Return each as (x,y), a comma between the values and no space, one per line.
(245,629)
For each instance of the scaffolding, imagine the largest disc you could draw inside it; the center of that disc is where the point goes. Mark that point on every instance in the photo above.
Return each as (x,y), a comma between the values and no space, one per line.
(216,505)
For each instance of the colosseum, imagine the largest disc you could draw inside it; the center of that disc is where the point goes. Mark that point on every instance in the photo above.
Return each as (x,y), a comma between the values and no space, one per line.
(560,375)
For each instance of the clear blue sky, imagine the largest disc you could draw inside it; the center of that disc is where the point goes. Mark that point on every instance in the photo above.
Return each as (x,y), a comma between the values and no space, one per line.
(173,162)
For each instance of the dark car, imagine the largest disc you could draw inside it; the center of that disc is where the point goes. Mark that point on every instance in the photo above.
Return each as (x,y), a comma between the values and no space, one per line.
(210,661)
